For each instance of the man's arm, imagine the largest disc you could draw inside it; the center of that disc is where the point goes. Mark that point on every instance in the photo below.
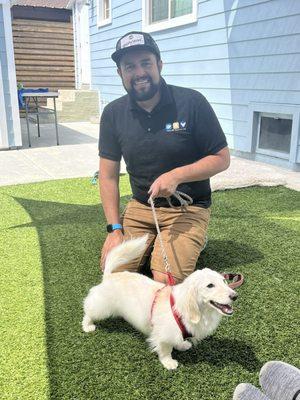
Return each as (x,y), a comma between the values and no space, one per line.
(110,196)
(165,185)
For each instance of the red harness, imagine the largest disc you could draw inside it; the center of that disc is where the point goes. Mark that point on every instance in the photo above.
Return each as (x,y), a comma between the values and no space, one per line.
(177,317)
(237,280)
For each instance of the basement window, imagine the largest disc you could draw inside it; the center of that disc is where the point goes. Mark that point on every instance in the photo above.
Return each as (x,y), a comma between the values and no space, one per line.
(274,134)
(103,12)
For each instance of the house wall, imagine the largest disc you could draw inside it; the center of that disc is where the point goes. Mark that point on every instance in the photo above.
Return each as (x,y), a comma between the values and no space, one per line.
(264,65)
(237,54)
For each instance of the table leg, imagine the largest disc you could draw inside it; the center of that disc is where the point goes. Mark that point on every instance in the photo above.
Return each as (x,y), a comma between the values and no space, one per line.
(27,122)
(37,115)
(55,117)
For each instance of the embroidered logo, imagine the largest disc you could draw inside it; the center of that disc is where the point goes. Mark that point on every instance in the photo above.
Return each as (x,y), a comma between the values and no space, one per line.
(176,126)
(132,40)
(169,127)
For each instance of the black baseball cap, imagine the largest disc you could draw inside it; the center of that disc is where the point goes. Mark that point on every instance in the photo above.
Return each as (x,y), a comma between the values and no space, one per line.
(135,40)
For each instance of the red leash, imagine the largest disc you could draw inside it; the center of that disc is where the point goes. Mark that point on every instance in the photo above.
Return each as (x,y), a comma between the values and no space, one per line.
(237,279)
(171,282)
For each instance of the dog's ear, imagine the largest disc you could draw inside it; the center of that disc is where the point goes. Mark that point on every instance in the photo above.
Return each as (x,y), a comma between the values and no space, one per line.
(192,308)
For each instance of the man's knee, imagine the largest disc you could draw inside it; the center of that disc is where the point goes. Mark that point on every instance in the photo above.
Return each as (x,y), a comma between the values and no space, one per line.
(162,277)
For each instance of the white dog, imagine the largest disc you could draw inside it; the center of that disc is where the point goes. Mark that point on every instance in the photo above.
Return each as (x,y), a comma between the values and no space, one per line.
(200,301)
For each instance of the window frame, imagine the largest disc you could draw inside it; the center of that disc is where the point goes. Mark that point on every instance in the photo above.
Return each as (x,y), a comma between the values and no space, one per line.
(279,109)
(170,22)
(270,152)
(100,21)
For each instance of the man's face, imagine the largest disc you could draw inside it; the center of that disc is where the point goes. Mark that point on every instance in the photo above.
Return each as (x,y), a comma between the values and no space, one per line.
(140,73)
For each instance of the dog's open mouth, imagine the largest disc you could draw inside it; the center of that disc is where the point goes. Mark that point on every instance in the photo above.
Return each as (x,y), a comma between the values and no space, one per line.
(224,308)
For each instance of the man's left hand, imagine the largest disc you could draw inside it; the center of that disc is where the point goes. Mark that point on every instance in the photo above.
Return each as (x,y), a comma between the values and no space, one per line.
(164,186)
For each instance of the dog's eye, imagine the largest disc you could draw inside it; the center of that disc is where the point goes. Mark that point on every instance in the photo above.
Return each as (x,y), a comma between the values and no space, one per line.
(211,285)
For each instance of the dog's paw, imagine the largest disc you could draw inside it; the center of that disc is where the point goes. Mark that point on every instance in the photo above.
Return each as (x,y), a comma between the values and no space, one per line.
(87,324)
(89,328)
(186,345)
(169,363)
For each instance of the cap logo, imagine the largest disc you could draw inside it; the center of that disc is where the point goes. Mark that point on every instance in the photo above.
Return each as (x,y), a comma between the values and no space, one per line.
(132,40)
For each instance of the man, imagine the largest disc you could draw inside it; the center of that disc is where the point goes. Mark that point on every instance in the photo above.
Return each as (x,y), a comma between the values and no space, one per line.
(171,140)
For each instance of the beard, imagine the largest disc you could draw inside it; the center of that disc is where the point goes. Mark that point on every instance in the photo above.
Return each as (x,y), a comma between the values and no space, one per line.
(143,94)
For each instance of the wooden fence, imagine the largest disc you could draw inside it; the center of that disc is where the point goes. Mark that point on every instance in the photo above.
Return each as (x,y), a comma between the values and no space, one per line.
(44,54)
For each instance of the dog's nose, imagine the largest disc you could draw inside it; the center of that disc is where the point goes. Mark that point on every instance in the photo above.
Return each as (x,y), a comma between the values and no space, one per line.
(233,296)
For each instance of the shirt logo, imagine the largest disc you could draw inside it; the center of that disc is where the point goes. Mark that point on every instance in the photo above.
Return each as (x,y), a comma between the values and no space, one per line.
(169,127)
(176,126)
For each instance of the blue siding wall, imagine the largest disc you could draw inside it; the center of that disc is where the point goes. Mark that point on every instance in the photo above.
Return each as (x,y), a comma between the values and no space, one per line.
(126,16)
(238,52)
(4,77)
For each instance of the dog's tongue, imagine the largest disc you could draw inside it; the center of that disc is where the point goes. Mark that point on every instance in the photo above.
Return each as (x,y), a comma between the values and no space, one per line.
(226,309)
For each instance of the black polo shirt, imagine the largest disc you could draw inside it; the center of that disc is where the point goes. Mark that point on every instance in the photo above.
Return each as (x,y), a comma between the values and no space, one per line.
(180,130)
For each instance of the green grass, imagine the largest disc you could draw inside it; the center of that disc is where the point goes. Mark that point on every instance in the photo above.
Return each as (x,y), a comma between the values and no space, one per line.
(50,238)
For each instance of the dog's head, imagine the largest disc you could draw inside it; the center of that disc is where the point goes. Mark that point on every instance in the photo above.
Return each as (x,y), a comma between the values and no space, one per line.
(207,287)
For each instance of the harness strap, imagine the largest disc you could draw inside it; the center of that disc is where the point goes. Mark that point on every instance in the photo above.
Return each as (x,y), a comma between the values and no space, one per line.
(176,315)
(178,319)
(154,302)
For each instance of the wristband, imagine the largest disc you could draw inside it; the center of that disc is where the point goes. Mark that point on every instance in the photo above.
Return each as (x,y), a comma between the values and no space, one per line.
(112,227)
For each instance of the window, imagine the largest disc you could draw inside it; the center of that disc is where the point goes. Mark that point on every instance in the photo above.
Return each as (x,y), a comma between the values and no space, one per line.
(274,134)
(104,12)
(163,14)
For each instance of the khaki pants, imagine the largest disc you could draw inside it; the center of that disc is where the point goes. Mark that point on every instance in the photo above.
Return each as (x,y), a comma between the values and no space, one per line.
(183,235)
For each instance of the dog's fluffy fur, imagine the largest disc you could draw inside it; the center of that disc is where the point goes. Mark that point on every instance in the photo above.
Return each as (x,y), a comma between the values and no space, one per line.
(201,300)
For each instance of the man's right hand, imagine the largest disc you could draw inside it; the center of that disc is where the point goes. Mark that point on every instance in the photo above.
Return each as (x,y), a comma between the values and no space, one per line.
(112,240)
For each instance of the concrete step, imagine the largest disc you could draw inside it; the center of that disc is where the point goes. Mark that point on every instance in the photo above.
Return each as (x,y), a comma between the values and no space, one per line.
(76,105)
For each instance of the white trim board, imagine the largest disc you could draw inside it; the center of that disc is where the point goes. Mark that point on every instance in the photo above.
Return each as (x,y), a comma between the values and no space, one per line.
(12,75)
(3,124)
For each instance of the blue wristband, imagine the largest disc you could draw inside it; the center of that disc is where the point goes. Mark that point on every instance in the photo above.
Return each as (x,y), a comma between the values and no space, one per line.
(112,227)
(116,226)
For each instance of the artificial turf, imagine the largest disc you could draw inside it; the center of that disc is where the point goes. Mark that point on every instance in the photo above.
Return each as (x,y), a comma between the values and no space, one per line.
(50,237)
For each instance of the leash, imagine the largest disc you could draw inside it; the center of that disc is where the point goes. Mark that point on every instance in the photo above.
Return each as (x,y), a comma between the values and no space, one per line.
(183,198)
(237,279)
(184,201)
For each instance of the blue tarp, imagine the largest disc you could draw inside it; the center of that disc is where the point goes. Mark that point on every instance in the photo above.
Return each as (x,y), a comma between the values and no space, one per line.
(21,91)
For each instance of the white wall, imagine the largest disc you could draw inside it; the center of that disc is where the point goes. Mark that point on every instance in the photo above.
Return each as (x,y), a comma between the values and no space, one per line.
(82,44)
(10,130)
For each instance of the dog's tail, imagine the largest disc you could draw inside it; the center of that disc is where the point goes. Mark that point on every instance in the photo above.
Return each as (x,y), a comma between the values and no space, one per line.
(124,253)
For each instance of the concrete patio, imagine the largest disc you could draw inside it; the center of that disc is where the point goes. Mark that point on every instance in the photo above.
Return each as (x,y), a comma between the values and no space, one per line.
(77,156)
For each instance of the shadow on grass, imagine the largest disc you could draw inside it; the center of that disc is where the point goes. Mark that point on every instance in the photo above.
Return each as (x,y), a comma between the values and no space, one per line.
(220,353)
(227,255)
(80,365)
(212,350)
